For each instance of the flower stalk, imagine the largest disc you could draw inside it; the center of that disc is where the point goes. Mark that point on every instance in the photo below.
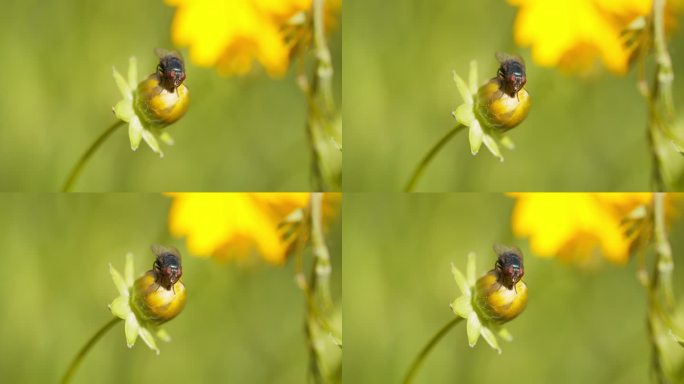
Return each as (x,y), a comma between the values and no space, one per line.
(664,332)
(78,167)
(324,339)
(76,361)
(420,168)
(322,266)
(659,99)
(324,123)
(418,361)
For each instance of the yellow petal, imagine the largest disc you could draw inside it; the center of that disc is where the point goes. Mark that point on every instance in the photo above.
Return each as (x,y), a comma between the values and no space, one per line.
(230,225)
(230,35)
(572,34)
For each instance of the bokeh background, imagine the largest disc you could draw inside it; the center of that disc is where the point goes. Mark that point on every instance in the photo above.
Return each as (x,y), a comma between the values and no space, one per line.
(243,323)
(240,133)
(582,134)
(580,325)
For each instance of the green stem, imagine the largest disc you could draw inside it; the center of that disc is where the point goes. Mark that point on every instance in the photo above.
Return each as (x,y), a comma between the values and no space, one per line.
(322,114)
(76,171)
(320,251)
(659,98)
(665,74)
(661,300)
(324,69)
(84,350)
(318,296)
(428,347)
(664,263)
(428,158)
(658,170)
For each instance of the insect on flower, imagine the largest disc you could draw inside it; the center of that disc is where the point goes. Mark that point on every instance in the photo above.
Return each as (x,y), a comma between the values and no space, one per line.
(511,73)
(171,69)
(509,266)
(167,267)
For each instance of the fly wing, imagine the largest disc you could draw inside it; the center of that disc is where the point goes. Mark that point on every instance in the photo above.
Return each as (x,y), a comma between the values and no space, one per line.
(503,57)
(161,53)
(161,250)
(501,249)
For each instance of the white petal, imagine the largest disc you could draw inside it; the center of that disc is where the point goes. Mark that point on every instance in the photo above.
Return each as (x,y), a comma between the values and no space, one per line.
(163,335)
(120,307)
(123,110)
(507,142)
(131,329)
(460,281)
(463,89)
(148,339)
(152,142)
(118,281)
(473,328)
(462,306)
(475,135)
(504,334)
(464,114)
(122,85)
(489,337)
(490,143)
(135,132)
(166,138)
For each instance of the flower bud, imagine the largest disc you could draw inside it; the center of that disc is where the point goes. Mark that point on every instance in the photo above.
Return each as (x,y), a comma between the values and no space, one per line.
(153,302)
(497,109)
(496,303)
(156,105)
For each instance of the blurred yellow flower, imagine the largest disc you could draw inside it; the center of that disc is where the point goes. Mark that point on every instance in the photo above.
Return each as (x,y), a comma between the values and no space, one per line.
(230,34)
(572,34)
(228,226)
(572,225)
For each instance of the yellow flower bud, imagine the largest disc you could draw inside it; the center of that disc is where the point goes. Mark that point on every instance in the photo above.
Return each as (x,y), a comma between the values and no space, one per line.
(155,303)
(497,303)
(157,105)
(497,109)
(494,299)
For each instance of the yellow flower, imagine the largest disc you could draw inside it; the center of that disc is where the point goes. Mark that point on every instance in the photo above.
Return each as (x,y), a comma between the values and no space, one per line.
(571,225)
(230,34)
(229,226)
(572,34)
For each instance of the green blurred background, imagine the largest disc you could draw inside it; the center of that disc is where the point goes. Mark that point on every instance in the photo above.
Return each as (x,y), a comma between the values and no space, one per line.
(580,326)
(581,134)
(241,324)
(240,133)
